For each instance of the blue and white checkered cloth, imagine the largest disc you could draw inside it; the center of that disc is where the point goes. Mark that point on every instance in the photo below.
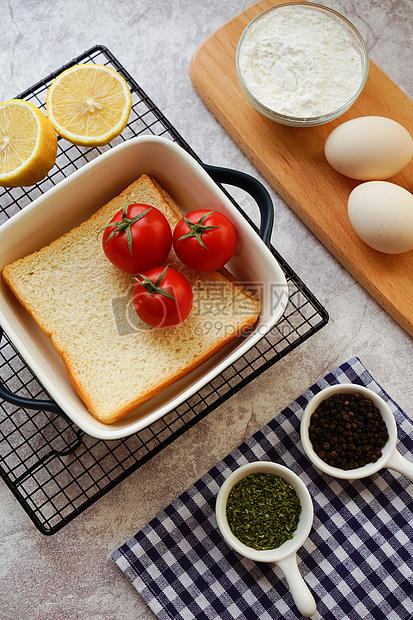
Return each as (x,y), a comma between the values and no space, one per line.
(357,561)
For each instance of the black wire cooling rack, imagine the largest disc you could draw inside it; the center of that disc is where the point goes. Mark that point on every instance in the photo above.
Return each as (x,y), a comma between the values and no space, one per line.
(55,470)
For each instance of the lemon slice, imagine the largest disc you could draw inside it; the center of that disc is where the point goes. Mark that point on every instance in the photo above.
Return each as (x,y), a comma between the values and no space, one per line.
(89,104)
(28,144)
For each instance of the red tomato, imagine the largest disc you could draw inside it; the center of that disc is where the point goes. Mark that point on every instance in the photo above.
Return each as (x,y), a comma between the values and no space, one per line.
(162,297)
(204,240)
(137,238)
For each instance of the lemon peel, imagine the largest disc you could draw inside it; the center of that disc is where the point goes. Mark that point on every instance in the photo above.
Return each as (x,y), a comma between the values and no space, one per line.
(28,144)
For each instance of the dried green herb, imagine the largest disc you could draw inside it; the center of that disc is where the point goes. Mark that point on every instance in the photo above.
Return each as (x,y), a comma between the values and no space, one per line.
(263,511)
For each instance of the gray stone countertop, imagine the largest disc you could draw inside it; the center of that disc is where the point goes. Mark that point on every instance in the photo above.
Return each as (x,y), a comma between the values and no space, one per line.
(71,574)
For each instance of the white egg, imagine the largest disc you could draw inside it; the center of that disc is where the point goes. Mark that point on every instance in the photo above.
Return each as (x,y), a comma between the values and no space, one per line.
(369,148)
(381,213)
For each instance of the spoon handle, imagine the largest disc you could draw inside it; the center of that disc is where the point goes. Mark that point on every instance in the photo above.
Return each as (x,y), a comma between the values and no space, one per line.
(302,596)
(400,464)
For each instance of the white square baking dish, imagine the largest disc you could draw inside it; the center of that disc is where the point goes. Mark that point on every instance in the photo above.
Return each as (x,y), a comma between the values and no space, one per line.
(74,200)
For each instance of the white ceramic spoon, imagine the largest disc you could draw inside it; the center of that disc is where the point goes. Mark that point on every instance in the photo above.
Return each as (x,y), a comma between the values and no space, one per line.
(284,556)
(390,458)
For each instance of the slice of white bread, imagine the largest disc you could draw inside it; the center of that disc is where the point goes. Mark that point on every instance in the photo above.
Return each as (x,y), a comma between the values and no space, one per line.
(84,304)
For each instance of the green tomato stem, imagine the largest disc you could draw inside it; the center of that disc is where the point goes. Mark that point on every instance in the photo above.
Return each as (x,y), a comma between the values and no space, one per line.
(154,287)
(125,224)
(197,229)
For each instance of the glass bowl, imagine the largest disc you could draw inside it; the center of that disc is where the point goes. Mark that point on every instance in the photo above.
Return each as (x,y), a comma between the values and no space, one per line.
(288,112)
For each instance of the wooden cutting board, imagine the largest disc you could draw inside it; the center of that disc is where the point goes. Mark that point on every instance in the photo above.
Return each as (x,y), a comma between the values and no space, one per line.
(292,160)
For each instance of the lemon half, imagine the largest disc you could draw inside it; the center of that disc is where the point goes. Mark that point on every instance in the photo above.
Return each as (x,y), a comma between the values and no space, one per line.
(28,144)
(89,104)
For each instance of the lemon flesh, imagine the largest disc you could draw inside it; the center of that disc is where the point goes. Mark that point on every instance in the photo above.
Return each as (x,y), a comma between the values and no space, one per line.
(89,104)
(28,144)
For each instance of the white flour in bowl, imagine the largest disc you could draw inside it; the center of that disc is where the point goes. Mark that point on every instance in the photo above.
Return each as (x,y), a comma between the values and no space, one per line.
(300,62)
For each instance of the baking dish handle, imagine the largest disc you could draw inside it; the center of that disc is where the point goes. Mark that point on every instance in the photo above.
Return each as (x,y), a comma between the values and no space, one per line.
(253,187)
(30,403)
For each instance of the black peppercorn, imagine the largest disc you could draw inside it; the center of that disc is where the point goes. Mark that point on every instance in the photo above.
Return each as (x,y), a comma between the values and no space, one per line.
(348,431)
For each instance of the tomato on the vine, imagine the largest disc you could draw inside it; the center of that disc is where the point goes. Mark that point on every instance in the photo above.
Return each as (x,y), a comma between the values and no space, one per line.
(204,240)
(162,297)
(137,238)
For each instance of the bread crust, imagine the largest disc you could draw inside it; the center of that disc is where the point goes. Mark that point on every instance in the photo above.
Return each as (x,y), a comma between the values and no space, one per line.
(42,283)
